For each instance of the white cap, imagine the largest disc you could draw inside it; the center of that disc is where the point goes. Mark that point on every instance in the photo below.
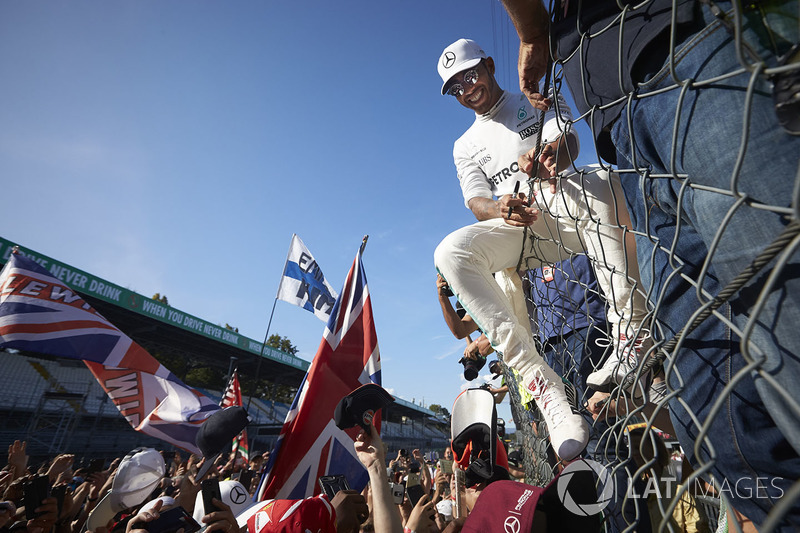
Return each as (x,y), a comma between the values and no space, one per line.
(137,477)
(445,508)
(233,494)
(166,503)
(459,56)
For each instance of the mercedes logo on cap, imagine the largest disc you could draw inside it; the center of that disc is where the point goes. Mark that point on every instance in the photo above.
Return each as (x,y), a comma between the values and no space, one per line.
(238,495)
(511,525)
(448,59)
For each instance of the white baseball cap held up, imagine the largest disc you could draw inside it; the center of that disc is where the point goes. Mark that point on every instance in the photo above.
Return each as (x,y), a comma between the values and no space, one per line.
(461,55)
(233,494)
(137,477)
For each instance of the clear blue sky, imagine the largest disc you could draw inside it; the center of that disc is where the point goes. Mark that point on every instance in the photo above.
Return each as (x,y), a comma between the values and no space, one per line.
(175,146)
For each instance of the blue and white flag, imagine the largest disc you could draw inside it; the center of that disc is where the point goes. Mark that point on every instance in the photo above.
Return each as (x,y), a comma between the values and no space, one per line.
(303,283)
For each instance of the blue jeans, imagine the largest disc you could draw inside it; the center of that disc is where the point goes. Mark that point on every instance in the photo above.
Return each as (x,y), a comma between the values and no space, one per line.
(622,513)
(575,355)
(754,432)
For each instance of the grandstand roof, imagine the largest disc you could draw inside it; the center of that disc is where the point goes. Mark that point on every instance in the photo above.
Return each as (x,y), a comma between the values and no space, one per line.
(158,326)
(164,329)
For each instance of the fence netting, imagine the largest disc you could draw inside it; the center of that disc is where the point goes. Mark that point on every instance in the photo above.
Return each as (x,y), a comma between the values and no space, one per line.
(702,428)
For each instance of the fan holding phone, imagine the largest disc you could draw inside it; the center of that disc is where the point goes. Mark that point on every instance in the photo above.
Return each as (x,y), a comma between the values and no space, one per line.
(157,518)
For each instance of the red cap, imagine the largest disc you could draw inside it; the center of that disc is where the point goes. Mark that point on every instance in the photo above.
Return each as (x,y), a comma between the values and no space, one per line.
(293,516)
(504,506)
(510,506)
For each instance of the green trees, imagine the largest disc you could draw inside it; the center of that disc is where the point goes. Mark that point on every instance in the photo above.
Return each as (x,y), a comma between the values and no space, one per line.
(282,343)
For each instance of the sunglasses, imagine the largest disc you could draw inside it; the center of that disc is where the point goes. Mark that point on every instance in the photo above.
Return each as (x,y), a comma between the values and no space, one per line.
(470,78)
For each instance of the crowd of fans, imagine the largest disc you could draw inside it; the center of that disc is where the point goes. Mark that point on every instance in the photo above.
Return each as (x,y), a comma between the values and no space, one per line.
(687,185)
(74,491)
(409,491)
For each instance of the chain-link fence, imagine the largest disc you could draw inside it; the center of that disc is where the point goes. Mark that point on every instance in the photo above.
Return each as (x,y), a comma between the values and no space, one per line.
(690,388)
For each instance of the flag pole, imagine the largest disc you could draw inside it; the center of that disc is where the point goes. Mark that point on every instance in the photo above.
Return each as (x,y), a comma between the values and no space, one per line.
(261,355)
(269,324)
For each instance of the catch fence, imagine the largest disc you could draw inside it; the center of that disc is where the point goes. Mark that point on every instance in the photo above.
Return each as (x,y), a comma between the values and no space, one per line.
(707,207)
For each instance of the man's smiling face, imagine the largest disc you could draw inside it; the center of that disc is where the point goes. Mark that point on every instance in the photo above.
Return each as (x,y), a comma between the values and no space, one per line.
(484,93)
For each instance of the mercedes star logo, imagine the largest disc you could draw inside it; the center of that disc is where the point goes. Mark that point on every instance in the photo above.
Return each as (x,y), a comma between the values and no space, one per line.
(511,525)
(448,59)
(238,494)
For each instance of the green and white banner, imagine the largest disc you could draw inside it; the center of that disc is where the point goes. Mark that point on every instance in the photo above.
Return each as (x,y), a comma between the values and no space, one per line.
(90,285)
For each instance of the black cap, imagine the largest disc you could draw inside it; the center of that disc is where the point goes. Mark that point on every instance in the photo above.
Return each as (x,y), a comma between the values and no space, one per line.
(358,407)
(217,432)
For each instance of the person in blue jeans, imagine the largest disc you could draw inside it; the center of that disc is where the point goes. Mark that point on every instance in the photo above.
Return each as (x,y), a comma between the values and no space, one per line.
(709,167)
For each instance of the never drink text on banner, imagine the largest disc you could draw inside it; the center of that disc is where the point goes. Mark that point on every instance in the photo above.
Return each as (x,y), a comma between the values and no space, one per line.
(303,283)
(40,314)
(310,445)
(90,285)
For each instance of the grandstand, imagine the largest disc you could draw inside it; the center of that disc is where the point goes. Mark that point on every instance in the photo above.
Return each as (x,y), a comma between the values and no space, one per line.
(57,405)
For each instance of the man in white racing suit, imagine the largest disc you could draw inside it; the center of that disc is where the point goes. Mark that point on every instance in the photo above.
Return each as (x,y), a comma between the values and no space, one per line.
(573,215)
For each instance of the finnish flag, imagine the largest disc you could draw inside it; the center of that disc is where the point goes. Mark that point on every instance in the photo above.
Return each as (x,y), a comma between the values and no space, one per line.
(303,283)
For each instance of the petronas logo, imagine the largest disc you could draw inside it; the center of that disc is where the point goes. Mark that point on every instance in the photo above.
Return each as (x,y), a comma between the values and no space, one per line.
(522,114)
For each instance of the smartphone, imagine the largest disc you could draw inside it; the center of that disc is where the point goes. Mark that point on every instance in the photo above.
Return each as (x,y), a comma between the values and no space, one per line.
(210,488)
(172,520)
(246,479)
(415,492)
(34,492)
(398,492)
(446,466)
(96,465)
(58,493)
(412,479)
(333,484)
(459,510)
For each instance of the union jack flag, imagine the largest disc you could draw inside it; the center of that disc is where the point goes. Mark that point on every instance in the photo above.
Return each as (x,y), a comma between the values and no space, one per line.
(233,396)
(38,313)
(310,445)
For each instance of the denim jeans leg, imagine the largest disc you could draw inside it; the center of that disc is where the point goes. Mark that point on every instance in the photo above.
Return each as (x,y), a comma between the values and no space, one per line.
(742,445)
(577,355)
(622,512)
(710,120)
(743,441)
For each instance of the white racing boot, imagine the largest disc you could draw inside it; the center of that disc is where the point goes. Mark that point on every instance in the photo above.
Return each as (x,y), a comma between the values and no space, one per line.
(569,432)
(622,361)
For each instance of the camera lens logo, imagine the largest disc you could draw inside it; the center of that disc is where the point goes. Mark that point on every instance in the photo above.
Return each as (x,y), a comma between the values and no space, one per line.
(604,484)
